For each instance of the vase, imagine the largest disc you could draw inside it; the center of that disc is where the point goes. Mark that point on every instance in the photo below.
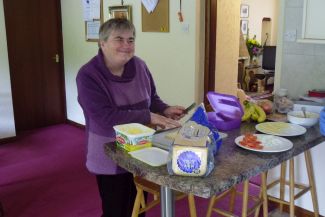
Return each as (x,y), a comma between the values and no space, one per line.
(253,61)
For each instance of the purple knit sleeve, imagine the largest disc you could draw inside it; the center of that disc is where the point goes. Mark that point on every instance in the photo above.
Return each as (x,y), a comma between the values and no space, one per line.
(98,106)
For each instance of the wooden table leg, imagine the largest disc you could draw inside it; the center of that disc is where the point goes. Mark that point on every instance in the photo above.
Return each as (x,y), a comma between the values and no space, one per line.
(191,203)
(264,195)
(211,203)
(292,187)
(137,203)
(312,185)
(282,182)
(245,199)
(232,199)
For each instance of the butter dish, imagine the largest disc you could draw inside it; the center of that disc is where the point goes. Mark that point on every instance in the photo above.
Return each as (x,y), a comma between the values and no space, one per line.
(133,136)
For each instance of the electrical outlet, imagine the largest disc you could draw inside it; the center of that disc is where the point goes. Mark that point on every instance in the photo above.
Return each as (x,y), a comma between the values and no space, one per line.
(186,27)
(290,35)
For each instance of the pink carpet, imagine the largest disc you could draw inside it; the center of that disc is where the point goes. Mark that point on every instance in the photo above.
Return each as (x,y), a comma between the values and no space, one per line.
(43,174)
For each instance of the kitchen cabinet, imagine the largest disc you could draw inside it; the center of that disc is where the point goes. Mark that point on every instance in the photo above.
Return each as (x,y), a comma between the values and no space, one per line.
(313,25)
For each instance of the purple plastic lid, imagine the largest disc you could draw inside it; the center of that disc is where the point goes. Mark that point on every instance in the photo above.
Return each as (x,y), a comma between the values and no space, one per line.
(227,111)
(225,105)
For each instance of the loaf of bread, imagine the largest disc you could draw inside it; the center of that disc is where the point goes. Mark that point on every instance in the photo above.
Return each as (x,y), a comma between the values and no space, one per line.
(192,134)
(189,161)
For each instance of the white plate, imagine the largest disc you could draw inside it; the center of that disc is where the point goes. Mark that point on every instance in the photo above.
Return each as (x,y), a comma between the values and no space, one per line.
(280,129)
(270,143)
(153,156)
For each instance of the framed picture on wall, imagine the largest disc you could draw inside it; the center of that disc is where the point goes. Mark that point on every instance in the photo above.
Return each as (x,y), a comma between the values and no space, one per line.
(123,11)
(244,26)
(244,11)
(92,30)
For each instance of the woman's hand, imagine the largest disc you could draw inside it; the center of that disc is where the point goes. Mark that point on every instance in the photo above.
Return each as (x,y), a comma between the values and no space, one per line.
(163,122)
(174,112)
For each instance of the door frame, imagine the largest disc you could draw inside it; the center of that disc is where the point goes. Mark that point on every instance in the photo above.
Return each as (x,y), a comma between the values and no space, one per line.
(210,47)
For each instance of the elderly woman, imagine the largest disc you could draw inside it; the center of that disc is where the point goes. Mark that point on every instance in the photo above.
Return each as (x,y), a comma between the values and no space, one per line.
(116,87)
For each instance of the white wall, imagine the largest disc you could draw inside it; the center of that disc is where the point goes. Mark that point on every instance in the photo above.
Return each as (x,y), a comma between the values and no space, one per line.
(171,57)
(76,53)
(302,64)
(257,11)
(7,124)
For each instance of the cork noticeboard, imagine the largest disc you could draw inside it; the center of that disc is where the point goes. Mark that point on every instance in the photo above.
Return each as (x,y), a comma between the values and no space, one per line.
(92,26)
(158,20)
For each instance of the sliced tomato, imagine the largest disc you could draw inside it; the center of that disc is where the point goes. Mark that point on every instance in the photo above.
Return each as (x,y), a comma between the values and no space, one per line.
(250,136)
(251,141)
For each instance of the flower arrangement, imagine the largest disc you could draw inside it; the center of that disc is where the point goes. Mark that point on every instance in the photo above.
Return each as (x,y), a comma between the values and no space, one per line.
(254,47)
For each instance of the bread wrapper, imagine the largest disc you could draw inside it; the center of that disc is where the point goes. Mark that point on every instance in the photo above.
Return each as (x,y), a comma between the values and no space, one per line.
(189,161)
(192,153)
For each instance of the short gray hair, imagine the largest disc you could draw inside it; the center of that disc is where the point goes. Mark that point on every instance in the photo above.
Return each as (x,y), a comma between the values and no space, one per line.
(112,25)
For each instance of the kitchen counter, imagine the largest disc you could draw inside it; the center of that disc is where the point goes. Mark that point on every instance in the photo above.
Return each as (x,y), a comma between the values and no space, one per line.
(232,163)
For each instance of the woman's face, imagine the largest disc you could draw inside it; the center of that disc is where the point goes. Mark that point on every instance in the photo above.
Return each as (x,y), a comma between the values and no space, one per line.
(118,49)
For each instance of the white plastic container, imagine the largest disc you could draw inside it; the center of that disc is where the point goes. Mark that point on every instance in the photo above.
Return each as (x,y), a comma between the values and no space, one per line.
(153,156)
(133,136)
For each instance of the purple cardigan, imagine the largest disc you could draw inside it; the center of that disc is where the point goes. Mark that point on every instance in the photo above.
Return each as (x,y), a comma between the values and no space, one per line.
(109,100)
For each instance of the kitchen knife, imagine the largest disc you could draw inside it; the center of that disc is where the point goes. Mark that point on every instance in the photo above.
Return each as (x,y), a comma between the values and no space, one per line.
(189,108)
(166,129)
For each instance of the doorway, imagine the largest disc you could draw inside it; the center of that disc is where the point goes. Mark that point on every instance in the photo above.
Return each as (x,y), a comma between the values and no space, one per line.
(34,40)
(258,73)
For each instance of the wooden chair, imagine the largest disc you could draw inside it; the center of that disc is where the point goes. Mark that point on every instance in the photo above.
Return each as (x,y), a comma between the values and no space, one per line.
(140,204)
(292,185)
(258,201)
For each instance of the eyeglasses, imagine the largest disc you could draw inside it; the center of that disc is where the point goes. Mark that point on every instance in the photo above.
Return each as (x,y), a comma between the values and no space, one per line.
(120,40)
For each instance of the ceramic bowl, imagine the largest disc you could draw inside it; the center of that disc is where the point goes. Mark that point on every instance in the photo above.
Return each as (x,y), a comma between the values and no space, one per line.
(297,117)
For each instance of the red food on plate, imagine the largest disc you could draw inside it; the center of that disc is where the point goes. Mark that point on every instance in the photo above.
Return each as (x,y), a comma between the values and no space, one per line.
(250,136)
(251,141)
